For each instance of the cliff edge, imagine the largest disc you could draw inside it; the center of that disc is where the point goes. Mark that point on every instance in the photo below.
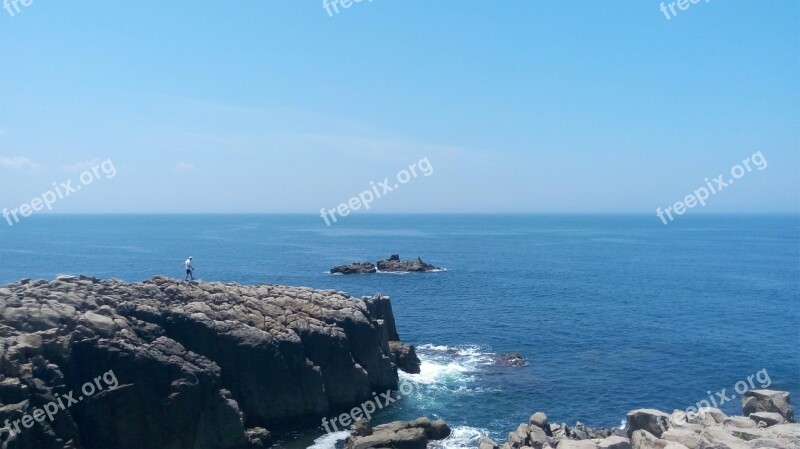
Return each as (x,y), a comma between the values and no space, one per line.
(194,365)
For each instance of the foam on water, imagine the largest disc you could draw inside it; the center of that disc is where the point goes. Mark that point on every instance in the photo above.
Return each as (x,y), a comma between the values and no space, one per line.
(460,438)
(329,440)
(451,368)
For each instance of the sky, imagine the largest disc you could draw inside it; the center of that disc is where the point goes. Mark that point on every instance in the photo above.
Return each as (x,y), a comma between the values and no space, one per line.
(516,106)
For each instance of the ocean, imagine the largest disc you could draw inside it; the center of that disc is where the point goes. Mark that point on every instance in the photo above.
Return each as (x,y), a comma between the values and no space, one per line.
(611,312)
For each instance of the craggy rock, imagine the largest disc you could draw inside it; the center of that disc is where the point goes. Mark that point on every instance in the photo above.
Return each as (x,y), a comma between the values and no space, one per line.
(354,268)
(405,357)
(768,401)
(394,264)
(708,428)
(199,365)
(399,435)
(653,421)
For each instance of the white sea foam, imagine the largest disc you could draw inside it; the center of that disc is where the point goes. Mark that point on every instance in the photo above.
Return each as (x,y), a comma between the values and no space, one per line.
(402,273)
(453,368)
(460,438)
(329,440)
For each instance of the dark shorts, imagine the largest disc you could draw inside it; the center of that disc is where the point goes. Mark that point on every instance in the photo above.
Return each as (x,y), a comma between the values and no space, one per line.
(188,271)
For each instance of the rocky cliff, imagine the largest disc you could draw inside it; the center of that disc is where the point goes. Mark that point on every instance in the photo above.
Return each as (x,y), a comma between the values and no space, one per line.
(207,365)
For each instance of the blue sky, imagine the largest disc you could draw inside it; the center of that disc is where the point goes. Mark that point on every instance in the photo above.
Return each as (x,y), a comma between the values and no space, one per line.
(274,106)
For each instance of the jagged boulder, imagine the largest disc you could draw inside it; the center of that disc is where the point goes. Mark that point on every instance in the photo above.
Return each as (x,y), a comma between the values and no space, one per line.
(405,357)
(653,421)
(768,401)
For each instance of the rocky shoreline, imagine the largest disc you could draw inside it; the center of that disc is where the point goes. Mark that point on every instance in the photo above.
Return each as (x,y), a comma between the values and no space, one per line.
(220,365)
(768,422)
(200,365)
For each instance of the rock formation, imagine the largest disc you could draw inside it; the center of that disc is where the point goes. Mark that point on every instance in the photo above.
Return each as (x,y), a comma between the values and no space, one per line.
(394,264)
(511,359)
(397,435)
(768,423)
(354,268)
(207,365)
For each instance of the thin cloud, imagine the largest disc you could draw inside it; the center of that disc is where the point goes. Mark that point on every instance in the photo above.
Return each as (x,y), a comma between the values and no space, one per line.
(81,166)
(184,166)
(17,163)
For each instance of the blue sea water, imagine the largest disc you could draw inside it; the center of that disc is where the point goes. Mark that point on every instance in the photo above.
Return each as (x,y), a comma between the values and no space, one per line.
(612,312)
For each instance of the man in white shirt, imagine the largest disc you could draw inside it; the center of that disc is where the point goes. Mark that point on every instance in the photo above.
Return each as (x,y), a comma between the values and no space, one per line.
(189,268)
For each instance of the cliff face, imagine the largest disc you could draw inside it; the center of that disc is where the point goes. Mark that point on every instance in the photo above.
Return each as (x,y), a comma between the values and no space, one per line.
(198,365)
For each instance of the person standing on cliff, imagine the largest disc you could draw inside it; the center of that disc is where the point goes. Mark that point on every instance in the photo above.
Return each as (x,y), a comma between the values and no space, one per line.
(189,269)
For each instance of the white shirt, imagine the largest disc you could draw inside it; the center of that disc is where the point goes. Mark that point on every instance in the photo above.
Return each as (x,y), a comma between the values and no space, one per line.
(188,263)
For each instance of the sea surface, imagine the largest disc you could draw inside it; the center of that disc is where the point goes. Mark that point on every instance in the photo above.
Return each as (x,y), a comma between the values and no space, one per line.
(612,312)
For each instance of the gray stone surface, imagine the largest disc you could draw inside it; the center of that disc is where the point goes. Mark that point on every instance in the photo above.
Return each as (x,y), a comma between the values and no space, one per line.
(200,365)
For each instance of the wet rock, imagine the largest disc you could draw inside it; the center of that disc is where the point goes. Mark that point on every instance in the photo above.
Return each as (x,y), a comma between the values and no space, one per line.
(511,359)
(405,357)
(438,430)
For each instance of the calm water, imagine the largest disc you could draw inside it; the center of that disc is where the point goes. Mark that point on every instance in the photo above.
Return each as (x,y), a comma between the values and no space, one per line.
(611,312)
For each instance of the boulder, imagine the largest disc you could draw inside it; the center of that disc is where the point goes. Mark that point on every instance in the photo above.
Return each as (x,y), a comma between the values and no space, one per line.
(487,443)
(768,418)
(539,420)
(361,428)
(768,401)
(614,442)
(410,439)
(653,421)
(397,434)
(405,357)
(688,438)
(537,437)
(422,423)
(576,444)
(438,430)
